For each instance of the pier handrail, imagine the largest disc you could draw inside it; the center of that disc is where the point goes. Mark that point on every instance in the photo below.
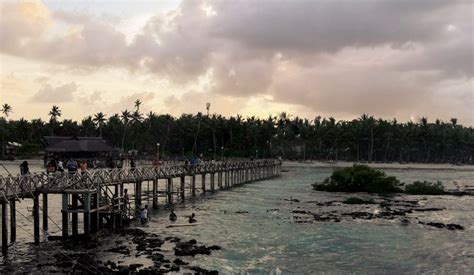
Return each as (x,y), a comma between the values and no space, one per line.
(18,186)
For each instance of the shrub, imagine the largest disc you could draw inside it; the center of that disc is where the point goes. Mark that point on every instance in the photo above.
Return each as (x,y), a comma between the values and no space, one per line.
(359,178)
(424,188)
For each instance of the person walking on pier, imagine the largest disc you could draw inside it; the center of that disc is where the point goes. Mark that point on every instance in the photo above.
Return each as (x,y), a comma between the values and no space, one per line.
(24,169)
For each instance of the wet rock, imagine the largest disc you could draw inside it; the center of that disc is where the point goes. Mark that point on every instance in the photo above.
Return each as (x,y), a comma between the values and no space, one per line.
(301,212)
(405,222)
(172,239)
(449,226)
(191,249)
(179,262)
(134,267)
(201,270)
(120,249)
(292,200)
(427,209)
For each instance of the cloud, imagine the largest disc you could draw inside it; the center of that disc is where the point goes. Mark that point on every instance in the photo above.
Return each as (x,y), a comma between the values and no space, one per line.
(50,94)
(382,57)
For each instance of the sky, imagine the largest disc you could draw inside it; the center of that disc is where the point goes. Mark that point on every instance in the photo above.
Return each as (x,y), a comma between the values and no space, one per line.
(402,59)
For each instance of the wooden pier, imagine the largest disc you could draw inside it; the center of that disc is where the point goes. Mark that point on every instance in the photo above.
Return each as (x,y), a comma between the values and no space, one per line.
(100,196)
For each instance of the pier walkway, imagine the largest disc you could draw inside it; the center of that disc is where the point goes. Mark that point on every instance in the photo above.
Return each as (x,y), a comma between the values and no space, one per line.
(99,195)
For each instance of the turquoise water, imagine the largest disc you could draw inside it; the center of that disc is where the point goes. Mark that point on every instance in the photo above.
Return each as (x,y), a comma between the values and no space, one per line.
(265,240)
(254,226)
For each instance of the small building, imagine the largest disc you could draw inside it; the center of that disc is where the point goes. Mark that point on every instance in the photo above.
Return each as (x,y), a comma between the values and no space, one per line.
(77,147)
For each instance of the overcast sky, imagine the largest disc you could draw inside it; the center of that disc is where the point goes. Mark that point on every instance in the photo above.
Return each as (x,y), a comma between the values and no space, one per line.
(399,59)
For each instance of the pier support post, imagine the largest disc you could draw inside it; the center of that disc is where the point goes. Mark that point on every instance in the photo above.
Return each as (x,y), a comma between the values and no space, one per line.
(155,193)
(138,194)
(219,180)
(74,215)
(4,228)
(45,212)
(181,187)
(193,185)
(203,183)
(12,220)
(212,181)
(65,215)
(87,214)
(169,190)
(95,214)
(122,206)
(36,217)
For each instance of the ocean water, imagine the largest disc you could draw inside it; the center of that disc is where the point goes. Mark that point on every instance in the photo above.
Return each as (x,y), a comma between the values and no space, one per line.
(255,227)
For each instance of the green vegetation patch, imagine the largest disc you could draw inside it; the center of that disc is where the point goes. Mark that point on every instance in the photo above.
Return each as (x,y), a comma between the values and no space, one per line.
(424,188)
(359,178)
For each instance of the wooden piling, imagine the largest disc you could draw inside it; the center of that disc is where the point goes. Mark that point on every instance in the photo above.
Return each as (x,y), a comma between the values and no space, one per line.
(212,181)
(122,205)
(12,220)
(155,193)
(87,214)
(203,183)
(64,211)
(4,228)
(193,185)
(181,187)
(45,212)
(36,217)
(74,215)
(169,190)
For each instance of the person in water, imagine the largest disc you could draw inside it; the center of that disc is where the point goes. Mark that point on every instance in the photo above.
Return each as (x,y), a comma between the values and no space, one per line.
(192,218)
(173,216)
(144,215)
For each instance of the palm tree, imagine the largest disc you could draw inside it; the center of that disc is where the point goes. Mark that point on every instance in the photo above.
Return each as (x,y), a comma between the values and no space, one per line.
(99,120)
(54,114)
(137,104)
(6,109)
(125,116)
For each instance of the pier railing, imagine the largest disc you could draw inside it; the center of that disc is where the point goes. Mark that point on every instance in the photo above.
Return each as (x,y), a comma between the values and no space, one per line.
(21,186)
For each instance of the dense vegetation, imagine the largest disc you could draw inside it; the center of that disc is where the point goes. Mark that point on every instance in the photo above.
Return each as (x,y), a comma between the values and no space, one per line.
(359,178)
(362,178)
(361,139)
(424,188)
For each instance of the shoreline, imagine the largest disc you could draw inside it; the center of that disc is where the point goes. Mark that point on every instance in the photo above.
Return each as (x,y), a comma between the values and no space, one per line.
(386,166)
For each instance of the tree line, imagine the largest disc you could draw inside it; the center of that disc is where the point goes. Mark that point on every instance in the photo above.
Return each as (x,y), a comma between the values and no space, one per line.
(364,139)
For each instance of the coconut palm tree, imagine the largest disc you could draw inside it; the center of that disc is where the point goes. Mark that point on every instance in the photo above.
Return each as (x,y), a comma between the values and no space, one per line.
(125,116)
(99,120)
(6,109)
(54,114)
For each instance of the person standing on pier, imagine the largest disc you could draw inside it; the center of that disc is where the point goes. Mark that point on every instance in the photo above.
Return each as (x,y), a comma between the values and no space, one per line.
(83,166)
(52,166)
(60,166)
(24,169)
(71,166)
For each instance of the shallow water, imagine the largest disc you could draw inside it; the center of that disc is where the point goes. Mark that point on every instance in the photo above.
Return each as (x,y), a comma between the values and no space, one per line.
(262,237)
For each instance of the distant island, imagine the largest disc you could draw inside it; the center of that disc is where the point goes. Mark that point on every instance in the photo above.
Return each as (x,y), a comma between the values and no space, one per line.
(365,139)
